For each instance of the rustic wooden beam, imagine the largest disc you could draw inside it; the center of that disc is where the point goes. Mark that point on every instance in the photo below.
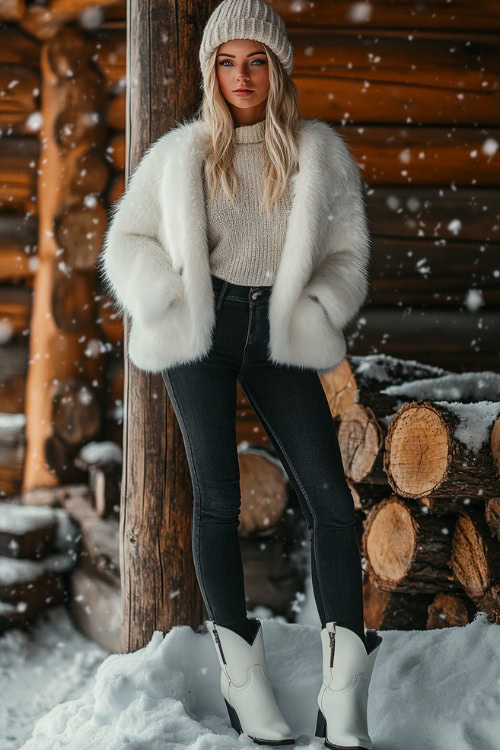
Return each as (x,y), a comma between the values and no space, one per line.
(159,586)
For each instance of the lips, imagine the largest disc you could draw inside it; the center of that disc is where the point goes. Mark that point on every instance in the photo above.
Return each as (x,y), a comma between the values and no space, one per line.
(236,90)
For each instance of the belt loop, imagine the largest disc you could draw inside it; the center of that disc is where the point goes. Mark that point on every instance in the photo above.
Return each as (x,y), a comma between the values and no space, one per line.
(221,294)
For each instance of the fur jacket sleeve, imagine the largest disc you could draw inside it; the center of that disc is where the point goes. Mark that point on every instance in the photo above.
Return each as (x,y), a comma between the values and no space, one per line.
(132,249)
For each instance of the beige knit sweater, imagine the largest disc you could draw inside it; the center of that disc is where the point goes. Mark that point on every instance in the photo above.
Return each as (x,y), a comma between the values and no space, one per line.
(244,243)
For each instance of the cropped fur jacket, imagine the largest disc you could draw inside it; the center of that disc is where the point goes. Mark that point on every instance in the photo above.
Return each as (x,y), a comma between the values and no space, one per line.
(155,262)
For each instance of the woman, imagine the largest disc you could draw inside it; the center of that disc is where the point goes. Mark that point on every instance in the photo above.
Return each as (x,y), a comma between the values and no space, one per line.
(240,251)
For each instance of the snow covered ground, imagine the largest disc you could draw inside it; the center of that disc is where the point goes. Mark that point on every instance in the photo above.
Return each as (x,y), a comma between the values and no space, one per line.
(52,665)
(431,690)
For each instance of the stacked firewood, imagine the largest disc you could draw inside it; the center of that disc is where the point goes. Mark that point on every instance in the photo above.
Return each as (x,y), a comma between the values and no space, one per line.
(421,452)
(37,547)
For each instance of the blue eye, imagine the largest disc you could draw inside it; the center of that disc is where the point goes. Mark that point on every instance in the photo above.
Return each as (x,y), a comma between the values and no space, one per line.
(263,62)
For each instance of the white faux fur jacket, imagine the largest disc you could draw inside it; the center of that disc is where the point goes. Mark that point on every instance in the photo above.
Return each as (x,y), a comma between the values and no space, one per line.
(155,261)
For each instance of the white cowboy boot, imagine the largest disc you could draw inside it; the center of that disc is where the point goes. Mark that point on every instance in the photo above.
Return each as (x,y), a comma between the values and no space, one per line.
(343,697)
(247,690)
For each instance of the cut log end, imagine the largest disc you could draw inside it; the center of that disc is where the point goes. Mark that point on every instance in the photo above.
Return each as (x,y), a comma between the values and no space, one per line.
(390,545)
(417,453)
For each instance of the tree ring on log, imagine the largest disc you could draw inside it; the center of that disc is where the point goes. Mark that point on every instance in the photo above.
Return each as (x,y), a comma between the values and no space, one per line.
(418,428)
(391,542)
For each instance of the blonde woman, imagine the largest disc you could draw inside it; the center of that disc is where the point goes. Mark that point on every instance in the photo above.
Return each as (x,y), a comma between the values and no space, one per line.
(240,251)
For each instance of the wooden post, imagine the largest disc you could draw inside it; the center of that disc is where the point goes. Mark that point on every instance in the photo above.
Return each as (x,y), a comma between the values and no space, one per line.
(158,580)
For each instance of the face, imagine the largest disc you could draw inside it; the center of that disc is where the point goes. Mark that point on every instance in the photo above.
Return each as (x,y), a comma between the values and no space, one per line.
(243,63)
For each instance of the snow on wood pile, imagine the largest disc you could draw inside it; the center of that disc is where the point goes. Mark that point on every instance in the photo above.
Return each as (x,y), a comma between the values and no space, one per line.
(421,453)
(37,546)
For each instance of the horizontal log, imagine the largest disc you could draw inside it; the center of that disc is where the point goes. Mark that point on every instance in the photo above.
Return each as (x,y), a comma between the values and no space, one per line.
(390,155)
(459,341)
(360,379)
(391,610)
(442,448)
(15,265)
(44,21)
(12,394)
(19,577)
(361,439)
(374,373)
(433,215)
(28,600)
(407,551)
(18,48)
(465,387)
(26,532)
(460,15)
(13,370)
(450,611)
(18,164)
(19,231)
(337,78)
(15,311)
(475,560)
(18,249)
(19,102)
(418,272)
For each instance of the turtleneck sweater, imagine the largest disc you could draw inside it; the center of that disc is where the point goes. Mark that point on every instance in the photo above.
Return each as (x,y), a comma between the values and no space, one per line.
(244,243)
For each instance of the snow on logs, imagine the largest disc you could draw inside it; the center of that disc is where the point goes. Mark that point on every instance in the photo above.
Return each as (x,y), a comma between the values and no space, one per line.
(422,457)
(37,546)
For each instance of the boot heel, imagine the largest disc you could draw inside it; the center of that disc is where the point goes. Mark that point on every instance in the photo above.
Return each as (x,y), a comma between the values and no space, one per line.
(320,725)
(233,717)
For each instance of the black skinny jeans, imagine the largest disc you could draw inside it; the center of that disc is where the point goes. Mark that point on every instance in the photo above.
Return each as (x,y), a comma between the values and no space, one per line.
(293,408)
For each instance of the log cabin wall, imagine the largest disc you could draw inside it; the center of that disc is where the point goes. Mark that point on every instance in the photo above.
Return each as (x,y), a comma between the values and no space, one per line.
(413,86)
(413,90)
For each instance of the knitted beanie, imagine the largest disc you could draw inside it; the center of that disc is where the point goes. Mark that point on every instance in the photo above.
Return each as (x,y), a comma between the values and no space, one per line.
(246,19)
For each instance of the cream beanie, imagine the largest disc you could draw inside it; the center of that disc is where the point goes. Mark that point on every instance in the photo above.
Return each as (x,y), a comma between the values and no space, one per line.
(246,19)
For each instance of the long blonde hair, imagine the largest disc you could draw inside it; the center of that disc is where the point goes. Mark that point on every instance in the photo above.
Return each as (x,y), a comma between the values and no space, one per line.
(281,128)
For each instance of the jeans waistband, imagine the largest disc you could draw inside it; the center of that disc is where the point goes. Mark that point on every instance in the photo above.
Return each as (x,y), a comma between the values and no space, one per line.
(241,292)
